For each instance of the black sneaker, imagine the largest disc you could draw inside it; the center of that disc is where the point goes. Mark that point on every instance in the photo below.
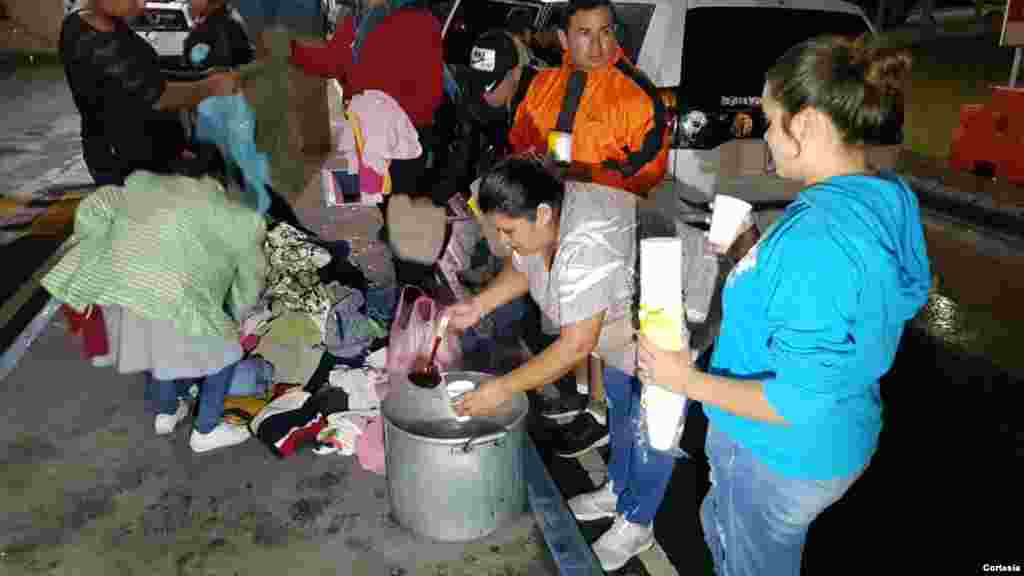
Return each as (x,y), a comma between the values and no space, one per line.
(564,406)
(582,435)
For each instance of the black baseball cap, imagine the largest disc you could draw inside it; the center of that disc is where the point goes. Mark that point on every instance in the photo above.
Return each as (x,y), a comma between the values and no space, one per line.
(492,57)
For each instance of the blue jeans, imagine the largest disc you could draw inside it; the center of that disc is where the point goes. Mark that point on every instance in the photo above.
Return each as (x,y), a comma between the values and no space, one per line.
(755,521)
(253,376)
(639,474)
(162,396)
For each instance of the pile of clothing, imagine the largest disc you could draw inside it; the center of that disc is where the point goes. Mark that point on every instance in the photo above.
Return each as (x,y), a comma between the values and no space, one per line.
(150,259)
(314,307)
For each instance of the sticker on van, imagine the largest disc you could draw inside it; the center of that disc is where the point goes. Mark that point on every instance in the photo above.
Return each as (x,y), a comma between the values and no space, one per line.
(731,101)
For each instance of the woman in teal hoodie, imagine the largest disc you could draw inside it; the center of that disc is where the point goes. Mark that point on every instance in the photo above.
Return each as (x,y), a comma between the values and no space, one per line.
(813,313)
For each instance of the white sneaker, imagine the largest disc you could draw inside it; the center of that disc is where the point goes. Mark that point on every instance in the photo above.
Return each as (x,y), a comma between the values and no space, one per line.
(222,436)
(164,423)
(595,505)
(621,542)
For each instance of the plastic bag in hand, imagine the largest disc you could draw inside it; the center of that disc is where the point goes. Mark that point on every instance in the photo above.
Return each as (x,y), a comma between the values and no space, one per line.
(229,122)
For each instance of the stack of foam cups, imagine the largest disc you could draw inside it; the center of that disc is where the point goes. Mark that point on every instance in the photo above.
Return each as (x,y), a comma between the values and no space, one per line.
(661,320)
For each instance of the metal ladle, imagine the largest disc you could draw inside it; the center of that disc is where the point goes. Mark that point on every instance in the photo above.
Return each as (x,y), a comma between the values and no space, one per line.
(429,377)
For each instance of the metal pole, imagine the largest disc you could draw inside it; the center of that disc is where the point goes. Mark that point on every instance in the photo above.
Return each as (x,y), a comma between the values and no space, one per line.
(1016,67)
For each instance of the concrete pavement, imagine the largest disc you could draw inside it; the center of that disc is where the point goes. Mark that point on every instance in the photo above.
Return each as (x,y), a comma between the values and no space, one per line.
(40,133)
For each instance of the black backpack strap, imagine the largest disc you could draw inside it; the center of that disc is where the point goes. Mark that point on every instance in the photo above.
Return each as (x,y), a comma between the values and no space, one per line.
(653,139)
(571,102)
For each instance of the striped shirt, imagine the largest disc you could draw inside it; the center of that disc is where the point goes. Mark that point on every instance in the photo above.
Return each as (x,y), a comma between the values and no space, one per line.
(167,248)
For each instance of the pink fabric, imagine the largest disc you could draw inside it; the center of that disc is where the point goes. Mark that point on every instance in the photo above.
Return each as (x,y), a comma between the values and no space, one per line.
(370,182)
(387,132)
(249,342)
(370,446)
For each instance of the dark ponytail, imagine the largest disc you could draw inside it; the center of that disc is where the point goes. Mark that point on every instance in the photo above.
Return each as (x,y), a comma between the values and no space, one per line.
(859,83)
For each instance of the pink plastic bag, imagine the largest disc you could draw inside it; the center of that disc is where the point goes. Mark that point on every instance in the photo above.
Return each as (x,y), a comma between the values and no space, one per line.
(412,334)
(465,233)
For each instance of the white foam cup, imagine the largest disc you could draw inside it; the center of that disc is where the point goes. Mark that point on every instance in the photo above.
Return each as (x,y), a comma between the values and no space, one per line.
(455,390)
(665,411)
(726,219)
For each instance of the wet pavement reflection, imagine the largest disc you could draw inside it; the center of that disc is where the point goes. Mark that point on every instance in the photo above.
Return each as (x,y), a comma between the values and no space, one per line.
(975,306)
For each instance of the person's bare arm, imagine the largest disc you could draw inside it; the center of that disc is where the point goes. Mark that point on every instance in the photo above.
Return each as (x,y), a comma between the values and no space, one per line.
(575,342)
(185,95)
(182,95)
(509,285)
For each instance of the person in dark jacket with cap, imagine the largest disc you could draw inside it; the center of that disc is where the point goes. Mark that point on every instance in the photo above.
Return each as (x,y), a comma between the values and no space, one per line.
(492,86)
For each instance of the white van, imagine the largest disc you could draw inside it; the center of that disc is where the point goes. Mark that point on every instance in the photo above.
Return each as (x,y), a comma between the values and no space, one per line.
(709,59)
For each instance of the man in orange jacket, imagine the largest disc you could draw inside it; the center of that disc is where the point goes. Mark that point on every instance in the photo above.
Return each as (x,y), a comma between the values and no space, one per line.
(597,105)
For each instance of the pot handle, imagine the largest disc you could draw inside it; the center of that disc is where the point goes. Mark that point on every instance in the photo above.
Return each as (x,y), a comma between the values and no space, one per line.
(477,441)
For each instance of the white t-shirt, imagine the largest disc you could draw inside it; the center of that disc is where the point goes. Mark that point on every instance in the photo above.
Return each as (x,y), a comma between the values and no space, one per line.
(593,268)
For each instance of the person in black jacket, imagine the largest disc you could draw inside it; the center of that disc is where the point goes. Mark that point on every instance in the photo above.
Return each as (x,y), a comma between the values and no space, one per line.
(490,89)
(218,39)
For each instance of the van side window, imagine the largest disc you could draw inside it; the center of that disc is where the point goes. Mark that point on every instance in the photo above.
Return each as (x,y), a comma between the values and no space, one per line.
(726,53)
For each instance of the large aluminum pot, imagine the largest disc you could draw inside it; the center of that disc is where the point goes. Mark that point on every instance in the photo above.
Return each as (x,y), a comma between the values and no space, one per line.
(448,480)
